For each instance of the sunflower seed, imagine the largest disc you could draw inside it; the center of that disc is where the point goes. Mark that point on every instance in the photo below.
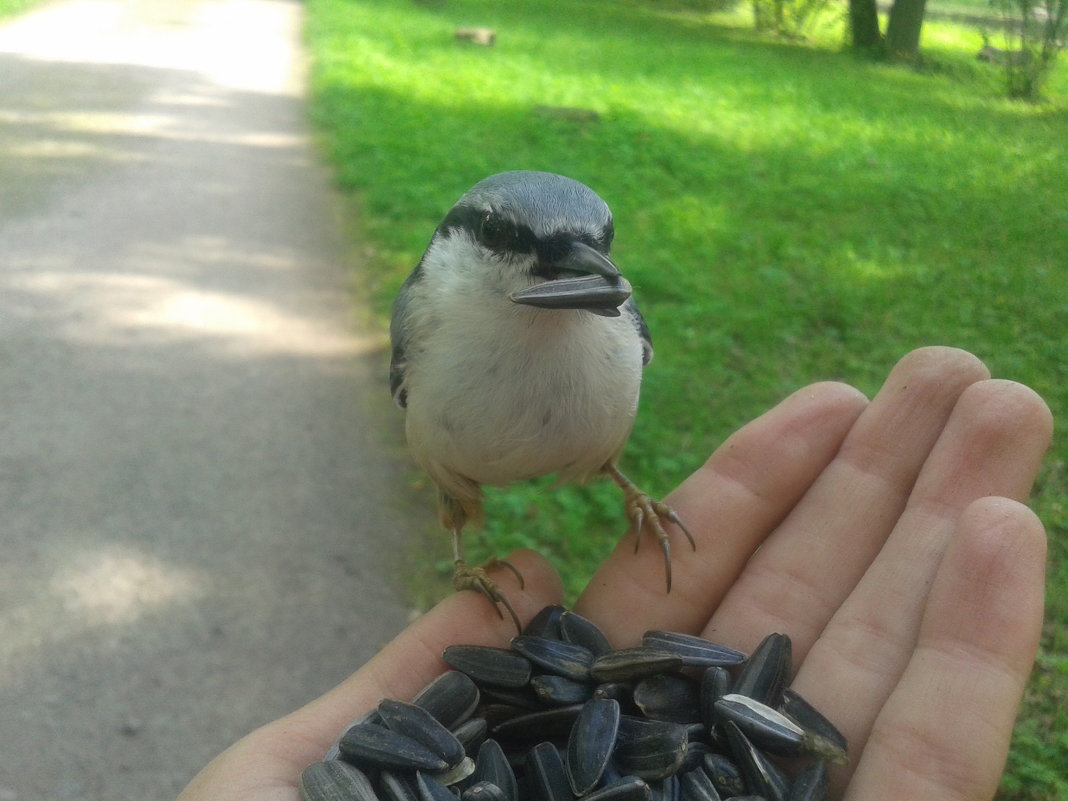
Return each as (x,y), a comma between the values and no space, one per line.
(335,781)
(558,691)
(485,664)
(811,784)
(773,731)
(725,774)
(545,623)
(627,788)
(555,656)
(451,698)
(760,774)
(811,718)
(491,765)
(767,672)
(649,749)
(483,791)
(697,786)
(370,745)
(633,663)
(695,651)
(544,725)
(590,744)
(399,786)
(580,631)
(471,733)
(715,683)
(638,724)
(432,789)
(415,722)
(667,696)
(546,774)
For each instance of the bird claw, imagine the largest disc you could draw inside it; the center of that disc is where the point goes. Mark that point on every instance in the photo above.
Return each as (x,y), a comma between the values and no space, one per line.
(465,577)
(645,514)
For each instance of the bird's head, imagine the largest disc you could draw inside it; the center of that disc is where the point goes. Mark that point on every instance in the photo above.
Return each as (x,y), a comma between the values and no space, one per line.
(540,239)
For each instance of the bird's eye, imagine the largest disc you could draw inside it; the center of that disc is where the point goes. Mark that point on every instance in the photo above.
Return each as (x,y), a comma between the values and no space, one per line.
(496,233)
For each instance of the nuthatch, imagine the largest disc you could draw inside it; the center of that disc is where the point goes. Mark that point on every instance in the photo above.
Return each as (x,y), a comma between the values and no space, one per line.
(518,352)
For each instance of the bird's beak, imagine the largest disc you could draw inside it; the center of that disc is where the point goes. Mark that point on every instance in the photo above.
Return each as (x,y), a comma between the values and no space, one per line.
(588,280)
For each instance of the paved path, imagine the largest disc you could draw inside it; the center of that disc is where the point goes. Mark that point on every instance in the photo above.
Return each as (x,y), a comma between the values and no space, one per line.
(198,513)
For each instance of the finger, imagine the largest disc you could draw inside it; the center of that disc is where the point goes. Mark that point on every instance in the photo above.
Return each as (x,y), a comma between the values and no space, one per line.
(730,504)
(797,581)
(266,764)
(410,661)
(945,730)
(992,444)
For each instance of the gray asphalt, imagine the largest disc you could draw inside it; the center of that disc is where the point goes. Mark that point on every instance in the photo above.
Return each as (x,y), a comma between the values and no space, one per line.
(203,494)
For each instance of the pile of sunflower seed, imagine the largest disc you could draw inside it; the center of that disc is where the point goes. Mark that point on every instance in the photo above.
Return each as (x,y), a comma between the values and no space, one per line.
(561,716)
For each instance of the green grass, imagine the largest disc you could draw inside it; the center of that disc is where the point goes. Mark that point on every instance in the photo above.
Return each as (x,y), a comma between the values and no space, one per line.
(786,212)
(9,8)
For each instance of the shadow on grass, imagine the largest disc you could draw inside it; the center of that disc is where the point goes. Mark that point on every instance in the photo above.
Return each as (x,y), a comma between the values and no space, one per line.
(785,214)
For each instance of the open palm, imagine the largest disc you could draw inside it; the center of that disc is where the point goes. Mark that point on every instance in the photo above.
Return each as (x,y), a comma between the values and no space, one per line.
(887,538)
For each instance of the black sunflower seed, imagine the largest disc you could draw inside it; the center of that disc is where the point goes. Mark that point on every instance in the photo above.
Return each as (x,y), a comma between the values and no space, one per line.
(415,722)
(715,683)
(590,744)
(811,718)
(546,623)
(697,786)
(580,631)
(491,765)
(811,784)
(432,789)
(370,745)
(399,786)
(627,788)
(760,773)
(546,774)
(668,696)
(500,667)
(633,663)
(649,749)
(451,698)
(639,724)
(559,691)
(335,781)
(767,672)
(555,656)
(695,651)
(472,733)
(725,774)
(544,725)
(483,791)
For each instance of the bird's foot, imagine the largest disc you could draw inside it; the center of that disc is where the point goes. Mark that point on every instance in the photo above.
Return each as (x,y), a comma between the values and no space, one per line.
(465,577)
(646,515)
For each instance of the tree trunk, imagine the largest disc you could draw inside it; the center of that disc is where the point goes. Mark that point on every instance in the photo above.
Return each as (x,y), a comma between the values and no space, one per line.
(864,24)
(903,28)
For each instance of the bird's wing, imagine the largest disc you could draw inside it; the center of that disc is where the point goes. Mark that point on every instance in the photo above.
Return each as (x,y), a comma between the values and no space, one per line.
(630,309)
(399,334)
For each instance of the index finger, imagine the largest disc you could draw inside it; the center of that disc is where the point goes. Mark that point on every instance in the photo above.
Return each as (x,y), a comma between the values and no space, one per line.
(731,504)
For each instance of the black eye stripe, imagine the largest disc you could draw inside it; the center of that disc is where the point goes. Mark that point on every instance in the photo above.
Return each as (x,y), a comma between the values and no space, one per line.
(500,233)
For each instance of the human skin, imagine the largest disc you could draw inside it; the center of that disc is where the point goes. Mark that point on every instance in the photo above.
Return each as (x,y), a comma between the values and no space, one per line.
(888,538)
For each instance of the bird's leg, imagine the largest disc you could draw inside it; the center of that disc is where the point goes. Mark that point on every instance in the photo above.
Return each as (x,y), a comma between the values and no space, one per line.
(465,577)
(645,513)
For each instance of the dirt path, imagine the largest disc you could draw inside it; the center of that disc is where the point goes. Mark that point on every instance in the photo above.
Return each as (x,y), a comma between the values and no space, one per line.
(197,512)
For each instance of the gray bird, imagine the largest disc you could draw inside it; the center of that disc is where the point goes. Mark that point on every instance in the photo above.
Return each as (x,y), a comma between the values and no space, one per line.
(518,352)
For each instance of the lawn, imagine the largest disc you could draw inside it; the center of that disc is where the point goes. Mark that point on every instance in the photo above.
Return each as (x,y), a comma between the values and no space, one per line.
(787,213)
(11,7)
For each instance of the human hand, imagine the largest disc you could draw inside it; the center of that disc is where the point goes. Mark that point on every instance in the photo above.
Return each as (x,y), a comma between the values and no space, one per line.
(888,539)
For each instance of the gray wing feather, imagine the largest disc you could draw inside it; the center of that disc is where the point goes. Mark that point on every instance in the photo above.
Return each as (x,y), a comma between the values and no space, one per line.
(399,337)
(630,309)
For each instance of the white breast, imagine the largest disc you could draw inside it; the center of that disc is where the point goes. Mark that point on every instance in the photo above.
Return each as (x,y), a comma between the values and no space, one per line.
(500,392)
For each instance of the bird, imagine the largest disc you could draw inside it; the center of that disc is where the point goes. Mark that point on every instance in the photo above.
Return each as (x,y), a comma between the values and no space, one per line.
(517,351)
